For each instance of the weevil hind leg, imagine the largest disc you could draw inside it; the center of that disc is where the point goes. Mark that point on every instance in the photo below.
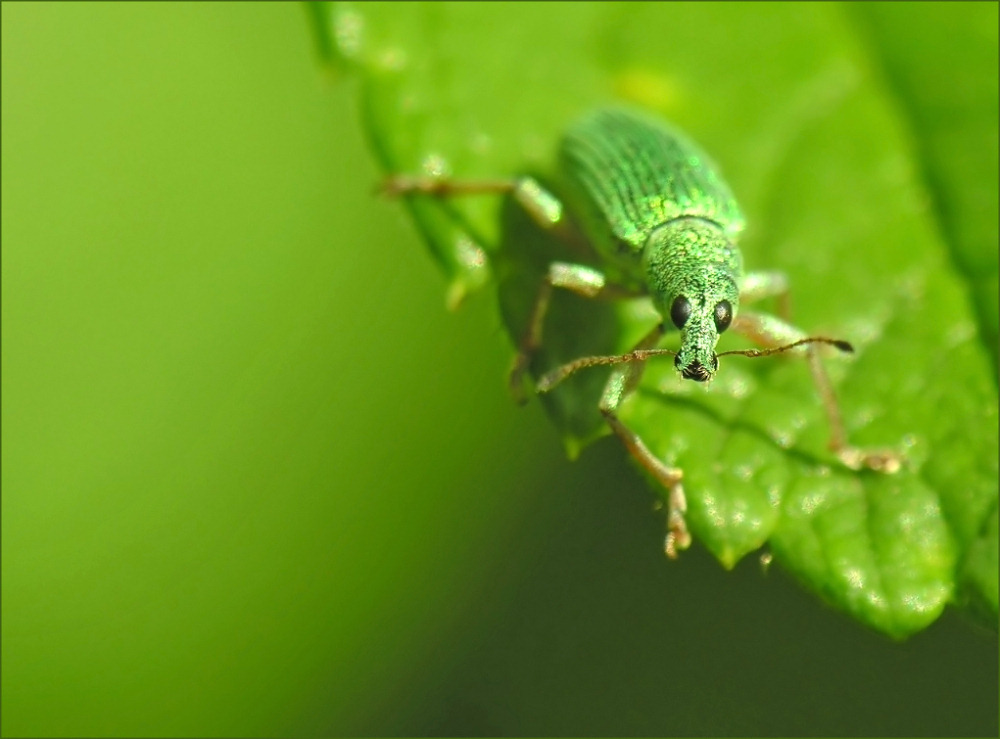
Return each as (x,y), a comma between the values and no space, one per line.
(622,381)
(544,208)
(768,331)
(399,185)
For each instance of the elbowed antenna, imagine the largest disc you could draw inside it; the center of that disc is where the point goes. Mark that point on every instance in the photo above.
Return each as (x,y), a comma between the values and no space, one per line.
(549,380)
(844,346)
(553,378)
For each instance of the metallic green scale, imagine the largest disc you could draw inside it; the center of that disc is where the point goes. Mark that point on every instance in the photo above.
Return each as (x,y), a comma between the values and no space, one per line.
(626,174)
(653,205)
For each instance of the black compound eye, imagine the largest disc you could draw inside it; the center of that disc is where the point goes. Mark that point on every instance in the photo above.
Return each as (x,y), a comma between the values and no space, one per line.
(723,315)
(680,311)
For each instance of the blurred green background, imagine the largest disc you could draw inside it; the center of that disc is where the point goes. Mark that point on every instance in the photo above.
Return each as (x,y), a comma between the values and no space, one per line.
(256,480)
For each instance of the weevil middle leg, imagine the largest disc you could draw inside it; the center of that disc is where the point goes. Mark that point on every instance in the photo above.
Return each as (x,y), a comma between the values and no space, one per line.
(580,279)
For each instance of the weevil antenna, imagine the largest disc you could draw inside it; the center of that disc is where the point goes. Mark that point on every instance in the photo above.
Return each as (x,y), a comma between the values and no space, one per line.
(551,379)
(556,376)
(844,346)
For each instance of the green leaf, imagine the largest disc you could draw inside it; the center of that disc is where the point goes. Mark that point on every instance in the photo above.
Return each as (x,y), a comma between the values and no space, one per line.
(855,182)
(941,63)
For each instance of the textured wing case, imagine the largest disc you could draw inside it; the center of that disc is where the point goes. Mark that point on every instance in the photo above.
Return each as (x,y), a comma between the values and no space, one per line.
(628,174)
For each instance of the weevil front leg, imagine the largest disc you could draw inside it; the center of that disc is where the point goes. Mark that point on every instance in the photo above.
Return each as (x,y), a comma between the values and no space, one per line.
(769,331)
(622,381)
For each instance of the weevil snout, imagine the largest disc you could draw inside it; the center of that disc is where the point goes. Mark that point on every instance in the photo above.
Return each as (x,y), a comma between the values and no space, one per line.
(696,370)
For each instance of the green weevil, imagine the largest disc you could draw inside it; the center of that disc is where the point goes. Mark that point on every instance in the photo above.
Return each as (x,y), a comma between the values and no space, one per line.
(655,209)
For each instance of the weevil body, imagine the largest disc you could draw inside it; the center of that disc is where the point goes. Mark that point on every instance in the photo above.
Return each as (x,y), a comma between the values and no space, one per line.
(665,225)
(655,208)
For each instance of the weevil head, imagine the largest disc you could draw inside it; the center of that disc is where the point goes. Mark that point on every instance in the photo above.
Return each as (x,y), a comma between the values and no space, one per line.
(693,272)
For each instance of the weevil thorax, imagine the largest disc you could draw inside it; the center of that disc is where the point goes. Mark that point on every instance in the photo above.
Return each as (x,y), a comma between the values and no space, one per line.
(693,273)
